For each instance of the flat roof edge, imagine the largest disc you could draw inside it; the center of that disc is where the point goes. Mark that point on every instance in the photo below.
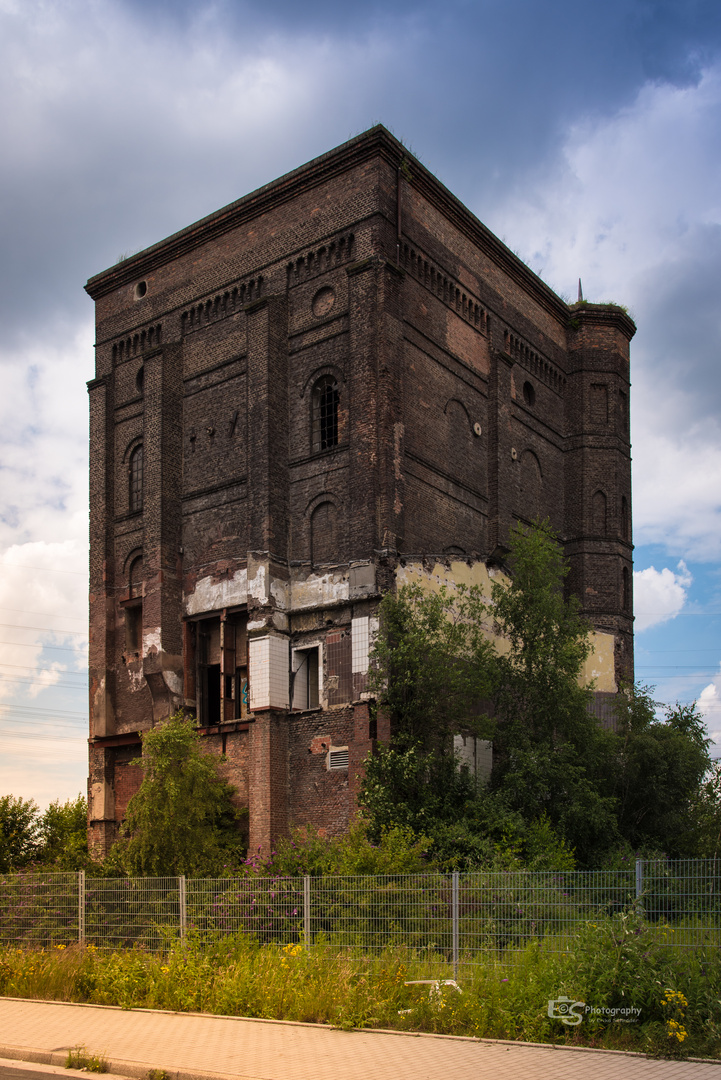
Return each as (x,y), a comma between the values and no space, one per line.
(376,141)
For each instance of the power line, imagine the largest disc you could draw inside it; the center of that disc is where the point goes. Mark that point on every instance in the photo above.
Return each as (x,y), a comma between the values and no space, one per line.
(36,645)
(46,737)
(45,614)
(47,569)
(44,629)
(48,712)
(60,671)
(43,685)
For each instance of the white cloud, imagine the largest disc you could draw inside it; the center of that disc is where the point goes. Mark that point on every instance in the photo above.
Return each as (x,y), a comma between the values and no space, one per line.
(634,209)
(709,704)
(659,595)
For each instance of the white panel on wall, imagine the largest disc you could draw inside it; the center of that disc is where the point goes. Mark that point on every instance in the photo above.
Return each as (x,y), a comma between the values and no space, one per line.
(279,680)
(259,672)
(360,641)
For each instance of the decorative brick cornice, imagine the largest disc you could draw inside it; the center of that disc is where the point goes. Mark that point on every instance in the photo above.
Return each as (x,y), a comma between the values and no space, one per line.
(377,142)
(610,315)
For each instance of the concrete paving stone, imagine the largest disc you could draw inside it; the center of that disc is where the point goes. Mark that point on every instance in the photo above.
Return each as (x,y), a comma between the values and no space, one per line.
(189,1045)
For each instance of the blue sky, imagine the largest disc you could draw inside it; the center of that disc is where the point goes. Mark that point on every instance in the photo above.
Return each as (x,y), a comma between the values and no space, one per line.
(586,136)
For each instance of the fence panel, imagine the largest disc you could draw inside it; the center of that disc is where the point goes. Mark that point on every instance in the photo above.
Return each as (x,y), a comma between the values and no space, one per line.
(682,899)
(433,921)
(269,909)
(501,912)
(39,909)
(126,912)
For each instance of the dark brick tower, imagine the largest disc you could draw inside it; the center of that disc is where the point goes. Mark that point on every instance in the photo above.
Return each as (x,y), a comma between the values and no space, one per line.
(338,382)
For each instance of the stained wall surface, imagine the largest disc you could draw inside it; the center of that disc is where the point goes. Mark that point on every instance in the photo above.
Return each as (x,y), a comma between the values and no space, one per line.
(339,377)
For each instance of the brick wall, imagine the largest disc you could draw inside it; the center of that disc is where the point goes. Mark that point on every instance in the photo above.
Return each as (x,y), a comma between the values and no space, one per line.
(469,397)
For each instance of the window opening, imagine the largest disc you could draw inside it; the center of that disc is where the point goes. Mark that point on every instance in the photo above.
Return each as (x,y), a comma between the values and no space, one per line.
(208,677)
(325,414)
(240,693)
(305,679)
(221,687)
(136,479)
(133,628)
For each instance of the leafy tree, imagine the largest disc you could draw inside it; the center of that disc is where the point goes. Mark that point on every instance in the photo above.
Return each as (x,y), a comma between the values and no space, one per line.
(705,815)
(551,756)
(182,819)
(398,851)
(432,665)
(562,786)
(63,834)
(658,770)
(19,830)
(431,669)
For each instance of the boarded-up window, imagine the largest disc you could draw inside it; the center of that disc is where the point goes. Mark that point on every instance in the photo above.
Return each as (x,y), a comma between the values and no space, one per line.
(324,534)
(599,404)
(135,577)
(599,514)
(625,520)
(529,486)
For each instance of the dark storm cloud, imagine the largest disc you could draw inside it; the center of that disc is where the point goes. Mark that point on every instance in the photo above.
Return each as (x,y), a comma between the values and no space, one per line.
(682,320)
(128,120)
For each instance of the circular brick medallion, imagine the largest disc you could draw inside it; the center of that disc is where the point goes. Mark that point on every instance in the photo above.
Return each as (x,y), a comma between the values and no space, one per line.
(323,301)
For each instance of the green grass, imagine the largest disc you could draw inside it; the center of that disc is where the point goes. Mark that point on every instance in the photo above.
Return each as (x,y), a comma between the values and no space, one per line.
(613,963)
(79,1058)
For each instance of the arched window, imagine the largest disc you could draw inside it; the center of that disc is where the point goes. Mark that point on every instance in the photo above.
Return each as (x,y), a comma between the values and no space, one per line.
(599,513)
(626,589)
(625,530)
(135,473)
(135,578)
(529,486)
(324,534)
(324,428)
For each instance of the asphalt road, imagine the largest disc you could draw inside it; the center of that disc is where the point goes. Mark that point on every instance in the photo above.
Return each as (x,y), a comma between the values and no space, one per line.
(26,1070)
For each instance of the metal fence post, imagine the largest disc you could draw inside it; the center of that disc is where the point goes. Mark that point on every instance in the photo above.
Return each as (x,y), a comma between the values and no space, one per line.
(639,878)
(455,925)
(306,910)
(182,906)
(81,907)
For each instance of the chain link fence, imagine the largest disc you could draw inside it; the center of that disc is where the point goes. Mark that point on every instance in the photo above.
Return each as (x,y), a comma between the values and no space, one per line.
(436,919)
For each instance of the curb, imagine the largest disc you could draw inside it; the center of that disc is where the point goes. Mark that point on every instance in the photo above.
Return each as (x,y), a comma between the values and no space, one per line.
(140,1072)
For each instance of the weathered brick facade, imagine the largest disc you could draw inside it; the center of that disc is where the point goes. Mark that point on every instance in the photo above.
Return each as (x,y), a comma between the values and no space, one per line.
(340,375)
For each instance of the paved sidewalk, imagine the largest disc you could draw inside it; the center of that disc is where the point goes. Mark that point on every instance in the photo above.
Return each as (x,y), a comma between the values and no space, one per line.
(191,1046)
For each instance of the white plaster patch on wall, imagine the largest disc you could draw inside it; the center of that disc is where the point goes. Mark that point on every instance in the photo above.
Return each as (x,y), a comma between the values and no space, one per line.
(257,587)
(173,682)
(280,590)
(99,695)
(210,595)
(319,589)
(136,677)
(458,573)
(257,624)
(151,641)
(102,802)
(601,663)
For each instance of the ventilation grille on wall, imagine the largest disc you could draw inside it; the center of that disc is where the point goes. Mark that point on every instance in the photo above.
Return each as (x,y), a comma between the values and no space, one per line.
(338,758)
